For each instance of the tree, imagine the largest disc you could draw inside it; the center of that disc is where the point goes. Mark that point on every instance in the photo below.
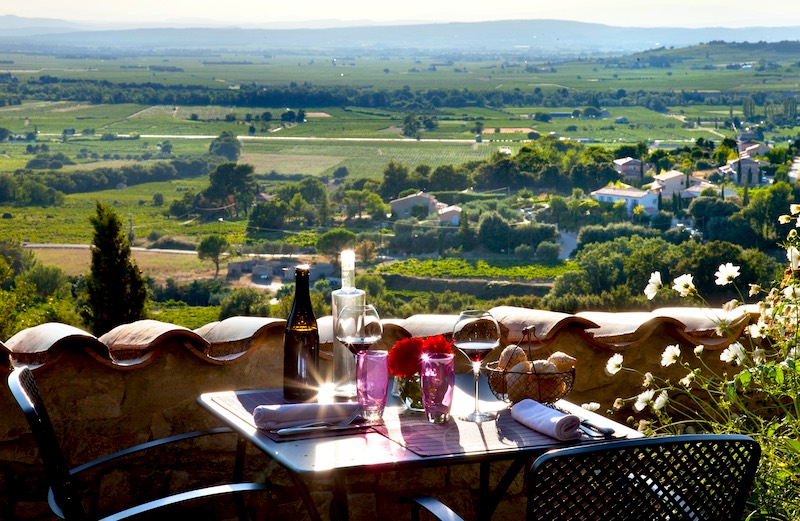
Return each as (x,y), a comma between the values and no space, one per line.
(334,241)
(395,180)
(158,199)
(411,126)
(230,179)
(268,216)
(115,288)
(447,177)
(48,281)
(245,302)
(355,201)
(227,146)
(367,250)
(211,248)
(494,232)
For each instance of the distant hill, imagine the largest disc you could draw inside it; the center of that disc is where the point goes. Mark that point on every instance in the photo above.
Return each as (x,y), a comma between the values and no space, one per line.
(15,26)
(534,37)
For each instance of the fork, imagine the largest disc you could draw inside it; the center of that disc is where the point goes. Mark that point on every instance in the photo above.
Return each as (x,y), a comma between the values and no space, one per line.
(320,425)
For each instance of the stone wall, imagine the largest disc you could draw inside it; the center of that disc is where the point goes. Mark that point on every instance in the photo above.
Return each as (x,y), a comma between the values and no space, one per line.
(140,382)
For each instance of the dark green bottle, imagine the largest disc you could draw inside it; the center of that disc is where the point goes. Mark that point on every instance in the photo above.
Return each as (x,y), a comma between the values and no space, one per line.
(301,344)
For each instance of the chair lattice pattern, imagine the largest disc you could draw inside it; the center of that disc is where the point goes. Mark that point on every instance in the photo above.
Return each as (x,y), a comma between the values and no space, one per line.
(671,478)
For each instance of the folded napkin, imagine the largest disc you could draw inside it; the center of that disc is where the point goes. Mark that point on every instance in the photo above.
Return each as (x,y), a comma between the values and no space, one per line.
(546,420)
(269,417)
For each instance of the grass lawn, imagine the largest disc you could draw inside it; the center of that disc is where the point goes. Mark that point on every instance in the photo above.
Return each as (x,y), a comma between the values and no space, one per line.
(157,265)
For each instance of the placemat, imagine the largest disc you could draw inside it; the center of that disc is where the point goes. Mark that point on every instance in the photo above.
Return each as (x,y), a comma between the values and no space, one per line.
(413,432)
(243,404)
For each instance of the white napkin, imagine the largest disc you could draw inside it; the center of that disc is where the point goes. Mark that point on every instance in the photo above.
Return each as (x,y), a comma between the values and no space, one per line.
(546,420)
(293,414)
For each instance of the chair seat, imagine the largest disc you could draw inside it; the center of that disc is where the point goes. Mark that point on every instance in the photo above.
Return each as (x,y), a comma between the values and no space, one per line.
(698,478)
(63,498)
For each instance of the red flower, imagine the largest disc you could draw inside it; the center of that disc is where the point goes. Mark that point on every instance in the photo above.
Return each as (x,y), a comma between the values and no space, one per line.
(405,356)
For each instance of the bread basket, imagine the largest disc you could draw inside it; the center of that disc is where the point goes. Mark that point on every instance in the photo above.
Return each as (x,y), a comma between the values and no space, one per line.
(513,386)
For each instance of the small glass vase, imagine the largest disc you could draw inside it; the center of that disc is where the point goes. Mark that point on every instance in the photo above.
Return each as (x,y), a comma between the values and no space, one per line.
(410,391)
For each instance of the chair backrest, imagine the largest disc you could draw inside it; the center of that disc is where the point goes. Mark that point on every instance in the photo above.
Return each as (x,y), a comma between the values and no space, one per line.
(23,387)
(692,477)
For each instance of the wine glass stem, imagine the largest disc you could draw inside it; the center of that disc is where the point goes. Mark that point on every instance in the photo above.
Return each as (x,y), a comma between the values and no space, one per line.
(476,370)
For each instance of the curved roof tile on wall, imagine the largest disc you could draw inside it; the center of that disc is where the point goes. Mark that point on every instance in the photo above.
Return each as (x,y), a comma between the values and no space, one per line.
(133,345)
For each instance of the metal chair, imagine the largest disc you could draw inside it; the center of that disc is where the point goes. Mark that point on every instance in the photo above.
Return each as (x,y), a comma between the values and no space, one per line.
(688,478)
(63,496)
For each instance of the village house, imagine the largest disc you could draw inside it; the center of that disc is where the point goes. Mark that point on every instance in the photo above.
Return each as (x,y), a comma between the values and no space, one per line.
(695,191)
(750,170)
(633,197)
(265,270)
(673,181)
(404,207)
(630,168)
(752,148)
(450,215)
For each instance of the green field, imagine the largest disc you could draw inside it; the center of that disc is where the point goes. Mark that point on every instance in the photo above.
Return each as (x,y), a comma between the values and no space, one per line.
(702,67)
(70,223)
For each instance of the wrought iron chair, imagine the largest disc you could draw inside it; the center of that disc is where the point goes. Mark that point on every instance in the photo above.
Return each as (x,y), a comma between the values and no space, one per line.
(63,496)
(688,478)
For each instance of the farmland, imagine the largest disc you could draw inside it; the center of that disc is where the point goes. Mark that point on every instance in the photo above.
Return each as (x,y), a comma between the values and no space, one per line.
(359,138)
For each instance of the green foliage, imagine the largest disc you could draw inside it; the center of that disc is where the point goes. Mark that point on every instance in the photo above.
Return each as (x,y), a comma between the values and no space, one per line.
(230,180)
(547,251)
(494,269)
(115,289)
(595,233)
(191,317)
(226,146)
(494,233)
(334,241)
(212,248)
(268,216)
(757,395)
(49,281)
(250,302)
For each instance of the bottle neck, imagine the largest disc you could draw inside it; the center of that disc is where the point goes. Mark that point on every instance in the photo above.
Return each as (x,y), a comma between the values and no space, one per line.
(301,278)
(348,278)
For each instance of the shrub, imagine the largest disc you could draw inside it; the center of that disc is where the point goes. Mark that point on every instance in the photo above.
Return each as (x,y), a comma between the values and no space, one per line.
(758,396)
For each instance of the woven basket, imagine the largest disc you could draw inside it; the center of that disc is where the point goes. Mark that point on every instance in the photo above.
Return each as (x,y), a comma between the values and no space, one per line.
(514,386)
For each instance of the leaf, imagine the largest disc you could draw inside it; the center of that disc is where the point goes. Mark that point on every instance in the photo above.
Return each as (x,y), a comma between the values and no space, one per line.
(744,377)
(793,445)
(779,375)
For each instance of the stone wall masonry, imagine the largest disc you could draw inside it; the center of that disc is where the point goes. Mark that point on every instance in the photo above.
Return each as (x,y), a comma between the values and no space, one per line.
(140,382)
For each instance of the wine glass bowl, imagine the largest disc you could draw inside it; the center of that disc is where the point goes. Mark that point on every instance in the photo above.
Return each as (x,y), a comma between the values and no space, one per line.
(358,327)
(476,334)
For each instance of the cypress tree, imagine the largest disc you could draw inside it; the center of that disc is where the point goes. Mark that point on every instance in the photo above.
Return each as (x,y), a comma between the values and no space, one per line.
(115,289)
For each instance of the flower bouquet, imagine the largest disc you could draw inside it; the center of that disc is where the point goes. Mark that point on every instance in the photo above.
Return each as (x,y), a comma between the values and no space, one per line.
(405,360)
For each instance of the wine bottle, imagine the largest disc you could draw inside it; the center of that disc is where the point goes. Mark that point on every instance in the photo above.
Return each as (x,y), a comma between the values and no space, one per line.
(344,365)
(301,344)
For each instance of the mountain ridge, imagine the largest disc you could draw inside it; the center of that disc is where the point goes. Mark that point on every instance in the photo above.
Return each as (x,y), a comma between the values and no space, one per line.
(542,37)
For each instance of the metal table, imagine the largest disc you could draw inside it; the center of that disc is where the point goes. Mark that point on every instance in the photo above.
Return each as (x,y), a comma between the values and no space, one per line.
(369,451)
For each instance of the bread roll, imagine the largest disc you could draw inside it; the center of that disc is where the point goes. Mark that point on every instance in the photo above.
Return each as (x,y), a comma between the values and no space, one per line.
(511,356)
(517,381)
(562,361)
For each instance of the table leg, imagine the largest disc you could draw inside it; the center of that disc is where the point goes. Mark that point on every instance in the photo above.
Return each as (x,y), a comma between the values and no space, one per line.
(305,495)
(339,505)
(483,490)
(238,477)
(489,502)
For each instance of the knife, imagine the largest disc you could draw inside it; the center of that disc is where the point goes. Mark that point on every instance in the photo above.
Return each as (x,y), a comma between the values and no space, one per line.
(605,431)
(297,430)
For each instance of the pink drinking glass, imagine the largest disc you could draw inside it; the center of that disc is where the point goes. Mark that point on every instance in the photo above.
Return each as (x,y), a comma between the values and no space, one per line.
(372,383)
(438,377)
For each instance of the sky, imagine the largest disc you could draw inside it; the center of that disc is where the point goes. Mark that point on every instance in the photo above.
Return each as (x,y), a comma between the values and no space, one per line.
(256,13)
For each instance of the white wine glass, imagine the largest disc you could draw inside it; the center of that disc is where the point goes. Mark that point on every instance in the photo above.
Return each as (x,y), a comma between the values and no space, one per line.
(476,334)
(358,328)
